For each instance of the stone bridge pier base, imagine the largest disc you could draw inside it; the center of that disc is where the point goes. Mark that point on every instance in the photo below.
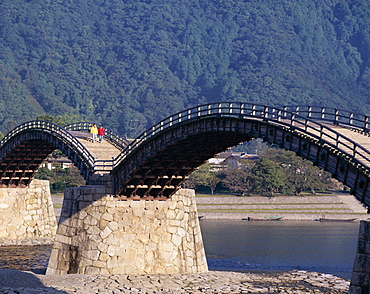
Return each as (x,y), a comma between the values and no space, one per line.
(27,214)
(99,234)
(360,280)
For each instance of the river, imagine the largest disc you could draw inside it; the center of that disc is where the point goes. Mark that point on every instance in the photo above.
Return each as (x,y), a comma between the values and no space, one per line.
(252,246)
(280,245)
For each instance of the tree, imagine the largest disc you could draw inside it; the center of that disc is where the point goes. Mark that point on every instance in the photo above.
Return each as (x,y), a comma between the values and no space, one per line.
(111,58)
(237,180)
(203,176)
(268,176)
(60,178)
(60,120)
(301,175)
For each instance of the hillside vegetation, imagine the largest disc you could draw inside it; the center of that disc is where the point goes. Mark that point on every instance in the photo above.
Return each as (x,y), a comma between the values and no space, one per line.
(129,64)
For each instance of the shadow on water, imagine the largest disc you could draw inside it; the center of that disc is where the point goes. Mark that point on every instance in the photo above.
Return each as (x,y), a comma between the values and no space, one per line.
(15,279)
(25,258)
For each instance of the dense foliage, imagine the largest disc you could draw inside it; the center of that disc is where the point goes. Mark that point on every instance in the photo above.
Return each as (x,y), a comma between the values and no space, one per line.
(60,178)
(277,171)
(128,64)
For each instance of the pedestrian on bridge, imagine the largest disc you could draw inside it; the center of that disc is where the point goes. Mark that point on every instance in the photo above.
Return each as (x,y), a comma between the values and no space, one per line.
(101,133)
(94,132)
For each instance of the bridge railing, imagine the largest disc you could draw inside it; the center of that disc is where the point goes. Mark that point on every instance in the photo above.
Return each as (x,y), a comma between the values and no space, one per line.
(333,115)
(289,119)
(56,131)
(118,141)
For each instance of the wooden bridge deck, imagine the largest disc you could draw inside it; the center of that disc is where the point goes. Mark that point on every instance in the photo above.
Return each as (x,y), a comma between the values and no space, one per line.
(103,152)
(348,141)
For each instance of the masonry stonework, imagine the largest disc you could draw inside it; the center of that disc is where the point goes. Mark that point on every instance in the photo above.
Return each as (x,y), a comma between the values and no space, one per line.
(26,213)
(360,280)
(99,234)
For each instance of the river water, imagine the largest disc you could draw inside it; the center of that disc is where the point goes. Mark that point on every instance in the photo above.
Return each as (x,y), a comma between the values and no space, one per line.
(280,245)
(251,246)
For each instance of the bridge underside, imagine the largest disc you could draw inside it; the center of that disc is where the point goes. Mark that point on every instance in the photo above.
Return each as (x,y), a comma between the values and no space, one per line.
(162,173)
(20,164)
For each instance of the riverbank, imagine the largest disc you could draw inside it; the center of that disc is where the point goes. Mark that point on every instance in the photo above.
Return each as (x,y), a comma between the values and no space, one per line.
(338,205)
(12,281)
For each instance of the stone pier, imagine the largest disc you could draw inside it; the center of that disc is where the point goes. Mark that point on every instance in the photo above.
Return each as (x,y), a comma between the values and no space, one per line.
(26,214)
(100,234)
(360,280)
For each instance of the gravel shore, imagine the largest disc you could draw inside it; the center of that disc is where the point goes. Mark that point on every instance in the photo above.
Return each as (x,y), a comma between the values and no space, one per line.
(13,281)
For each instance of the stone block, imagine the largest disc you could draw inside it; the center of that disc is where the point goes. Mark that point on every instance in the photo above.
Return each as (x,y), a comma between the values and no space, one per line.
(102,224)
(111,250)
(175,223)
(171,214)
(138,211)
(112,262)
(158,269)
(105,233)
(172,204)
(99,264)
(160,214)
(360,263)
(63,266)
(52,271)
(105,271)
(355,290)
(93,230)
(92,254)
(176,240)
(180,214)
(116,240)
(85,262)
(181,232)
(87,197)
(107,216)
(102,247)
(167,246)
(149,214)
(131,254)
(91,270)
(359,279)
(143,238)
(362,230)
(154,238)
(119,270)
(103,257)
(63,239)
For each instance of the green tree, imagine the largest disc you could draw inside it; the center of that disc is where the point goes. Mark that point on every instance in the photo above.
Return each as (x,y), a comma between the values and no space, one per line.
(301,174)
(268,176)
(237,180)
(203,176)
(60,120)
(60,178)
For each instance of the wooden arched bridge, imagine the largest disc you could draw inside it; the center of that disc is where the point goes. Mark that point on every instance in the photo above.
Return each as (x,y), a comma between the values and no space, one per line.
(155,164)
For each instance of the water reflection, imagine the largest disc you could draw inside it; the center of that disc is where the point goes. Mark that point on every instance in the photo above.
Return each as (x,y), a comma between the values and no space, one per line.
(281,245)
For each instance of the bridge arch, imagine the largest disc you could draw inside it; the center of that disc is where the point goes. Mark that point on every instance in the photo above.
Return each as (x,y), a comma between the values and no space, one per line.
(158,161)
(24,148)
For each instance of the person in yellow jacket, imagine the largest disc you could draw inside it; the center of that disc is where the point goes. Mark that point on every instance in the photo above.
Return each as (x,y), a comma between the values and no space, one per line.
(94,132)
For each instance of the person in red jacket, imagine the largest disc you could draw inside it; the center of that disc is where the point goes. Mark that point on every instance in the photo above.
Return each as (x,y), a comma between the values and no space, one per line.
(101,133)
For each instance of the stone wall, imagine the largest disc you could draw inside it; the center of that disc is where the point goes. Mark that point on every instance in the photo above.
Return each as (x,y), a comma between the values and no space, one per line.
(26,214)
(360,280)
(99,234)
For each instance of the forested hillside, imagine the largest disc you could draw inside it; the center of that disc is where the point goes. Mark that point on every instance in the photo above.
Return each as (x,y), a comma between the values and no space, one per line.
(129,64)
